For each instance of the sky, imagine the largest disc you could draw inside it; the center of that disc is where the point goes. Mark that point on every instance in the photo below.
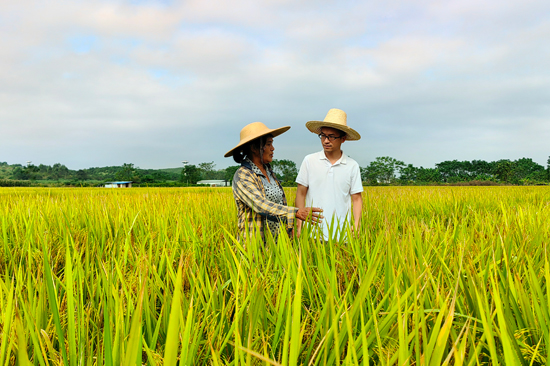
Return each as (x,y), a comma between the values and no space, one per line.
(91,83)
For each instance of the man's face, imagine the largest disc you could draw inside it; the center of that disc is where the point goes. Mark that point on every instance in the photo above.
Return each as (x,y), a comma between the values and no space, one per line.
(328,134)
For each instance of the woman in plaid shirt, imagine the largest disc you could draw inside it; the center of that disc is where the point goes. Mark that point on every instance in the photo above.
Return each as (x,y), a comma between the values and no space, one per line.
(260,198)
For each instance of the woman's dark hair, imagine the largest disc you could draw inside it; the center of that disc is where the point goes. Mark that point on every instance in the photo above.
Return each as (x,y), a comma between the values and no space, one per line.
(246,150)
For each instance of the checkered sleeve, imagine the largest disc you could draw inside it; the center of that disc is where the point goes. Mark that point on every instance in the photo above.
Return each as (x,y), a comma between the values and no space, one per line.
(246,190)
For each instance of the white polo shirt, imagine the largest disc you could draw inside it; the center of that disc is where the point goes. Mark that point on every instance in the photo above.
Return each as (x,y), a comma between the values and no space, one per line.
(330,186)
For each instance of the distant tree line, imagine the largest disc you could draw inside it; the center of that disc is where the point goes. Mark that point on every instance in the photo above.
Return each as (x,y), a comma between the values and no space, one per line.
(285,171)
(60,173)
(387,170)
(382,171)
(17,174)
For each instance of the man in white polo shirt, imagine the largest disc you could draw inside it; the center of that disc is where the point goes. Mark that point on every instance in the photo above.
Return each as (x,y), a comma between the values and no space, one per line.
(330,179)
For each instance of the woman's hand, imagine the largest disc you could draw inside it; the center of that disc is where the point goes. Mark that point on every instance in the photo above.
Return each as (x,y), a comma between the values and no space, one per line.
(310,214)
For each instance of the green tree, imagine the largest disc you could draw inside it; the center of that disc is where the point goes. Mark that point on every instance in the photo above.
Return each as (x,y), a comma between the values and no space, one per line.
(428,175)
(382,170)
(408,173)
(525,169)
(136,178)
(285,170)
(81,175)
(455,171)
(230,172)
(504,169)
(481,168)
(207,170)
(148,178)
(30,172)
(20,174)
(160,176)
(190,174)
(34,171)
(60,171)
(45,171)
(126,173)
(411,173)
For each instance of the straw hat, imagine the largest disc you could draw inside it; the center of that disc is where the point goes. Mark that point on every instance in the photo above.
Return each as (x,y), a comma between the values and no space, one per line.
(253,131)
(336,118)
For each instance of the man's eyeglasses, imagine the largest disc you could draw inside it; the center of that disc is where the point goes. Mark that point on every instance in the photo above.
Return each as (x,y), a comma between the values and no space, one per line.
(331,138)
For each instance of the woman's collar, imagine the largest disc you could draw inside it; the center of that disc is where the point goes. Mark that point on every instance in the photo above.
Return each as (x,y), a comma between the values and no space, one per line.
(255,168)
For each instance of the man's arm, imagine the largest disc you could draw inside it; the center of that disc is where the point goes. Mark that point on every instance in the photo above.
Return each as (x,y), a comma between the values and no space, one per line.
(357,201)
(300,202)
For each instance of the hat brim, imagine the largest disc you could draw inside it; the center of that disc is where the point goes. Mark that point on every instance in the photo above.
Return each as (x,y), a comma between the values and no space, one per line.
(275,132)
(315,127)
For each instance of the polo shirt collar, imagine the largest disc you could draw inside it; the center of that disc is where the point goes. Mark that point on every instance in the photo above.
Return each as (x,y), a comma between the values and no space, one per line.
(343,159)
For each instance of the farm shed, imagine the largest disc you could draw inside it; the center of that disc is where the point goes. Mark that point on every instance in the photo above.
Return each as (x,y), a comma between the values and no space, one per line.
(118,185)
(214,183)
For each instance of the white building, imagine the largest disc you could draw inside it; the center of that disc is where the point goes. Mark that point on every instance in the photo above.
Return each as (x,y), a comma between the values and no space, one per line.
(118,185)
(214,183)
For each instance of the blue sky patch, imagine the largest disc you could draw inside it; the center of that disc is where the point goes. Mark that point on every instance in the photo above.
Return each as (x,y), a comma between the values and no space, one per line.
(158,73)
(168,78)
(119,60)
(164,3)
(127,42)
(263,37)
(83,44)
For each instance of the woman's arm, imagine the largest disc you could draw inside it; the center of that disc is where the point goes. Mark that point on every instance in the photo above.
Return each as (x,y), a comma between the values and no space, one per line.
(300,202)
(246,189)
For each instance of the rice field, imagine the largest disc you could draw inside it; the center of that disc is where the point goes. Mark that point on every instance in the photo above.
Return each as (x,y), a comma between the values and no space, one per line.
(436,276)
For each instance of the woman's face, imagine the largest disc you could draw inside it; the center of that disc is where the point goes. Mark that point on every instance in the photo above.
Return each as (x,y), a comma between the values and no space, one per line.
(268,151)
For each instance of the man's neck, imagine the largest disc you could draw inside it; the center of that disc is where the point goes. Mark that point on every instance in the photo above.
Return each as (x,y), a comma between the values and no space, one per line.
(333,156)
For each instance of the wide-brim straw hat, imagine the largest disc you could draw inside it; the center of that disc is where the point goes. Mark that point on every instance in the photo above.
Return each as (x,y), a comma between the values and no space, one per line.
(253,131)
(336,118)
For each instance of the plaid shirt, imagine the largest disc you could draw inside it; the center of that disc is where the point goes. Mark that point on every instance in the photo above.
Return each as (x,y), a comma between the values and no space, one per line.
(253,208)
